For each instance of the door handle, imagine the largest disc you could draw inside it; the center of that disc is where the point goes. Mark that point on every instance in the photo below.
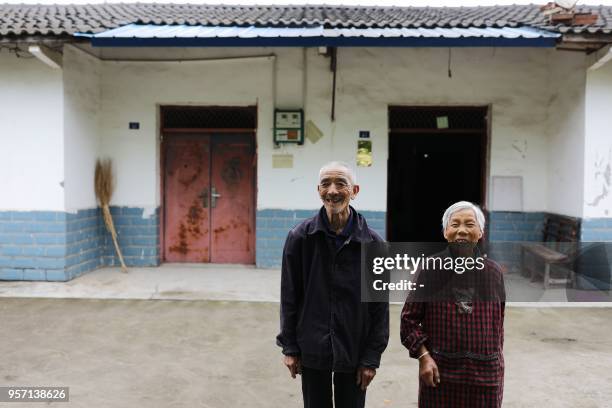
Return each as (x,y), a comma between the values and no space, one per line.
(213,197)
(204,196)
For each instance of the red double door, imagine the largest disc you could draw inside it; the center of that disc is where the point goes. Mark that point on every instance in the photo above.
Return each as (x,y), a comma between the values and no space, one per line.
(209,198)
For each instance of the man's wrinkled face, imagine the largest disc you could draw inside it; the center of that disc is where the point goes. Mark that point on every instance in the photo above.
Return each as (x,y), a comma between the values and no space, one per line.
(463,227)
(336,190)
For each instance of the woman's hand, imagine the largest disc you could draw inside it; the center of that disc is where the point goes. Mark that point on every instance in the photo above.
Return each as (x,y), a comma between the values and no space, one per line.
(428,371)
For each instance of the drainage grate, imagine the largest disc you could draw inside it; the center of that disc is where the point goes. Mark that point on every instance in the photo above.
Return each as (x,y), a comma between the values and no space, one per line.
(216,117)
(401,117)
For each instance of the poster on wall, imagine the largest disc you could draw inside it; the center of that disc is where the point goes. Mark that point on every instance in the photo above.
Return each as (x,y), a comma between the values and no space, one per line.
(364,153)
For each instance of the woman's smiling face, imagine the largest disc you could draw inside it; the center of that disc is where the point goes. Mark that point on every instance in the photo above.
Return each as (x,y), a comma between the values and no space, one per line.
(463,227)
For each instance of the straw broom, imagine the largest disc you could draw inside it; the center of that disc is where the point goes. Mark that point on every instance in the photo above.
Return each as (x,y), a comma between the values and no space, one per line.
(104,190)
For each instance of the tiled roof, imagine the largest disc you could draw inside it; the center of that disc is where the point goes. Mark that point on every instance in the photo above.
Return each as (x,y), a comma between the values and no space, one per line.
(55,20)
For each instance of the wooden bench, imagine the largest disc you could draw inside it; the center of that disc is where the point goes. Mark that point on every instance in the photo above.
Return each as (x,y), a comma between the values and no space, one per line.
(555,253)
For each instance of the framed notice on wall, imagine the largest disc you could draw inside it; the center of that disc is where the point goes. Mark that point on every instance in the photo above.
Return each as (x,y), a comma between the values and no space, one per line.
(289,126)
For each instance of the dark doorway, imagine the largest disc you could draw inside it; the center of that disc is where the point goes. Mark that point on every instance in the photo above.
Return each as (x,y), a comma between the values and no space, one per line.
(437,156)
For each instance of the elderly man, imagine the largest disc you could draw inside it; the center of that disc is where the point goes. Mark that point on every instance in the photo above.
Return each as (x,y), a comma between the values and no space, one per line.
(458,337)
(327,334)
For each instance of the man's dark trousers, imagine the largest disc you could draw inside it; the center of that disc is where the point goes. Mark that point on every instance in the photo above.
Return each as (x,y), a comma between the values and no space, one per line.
(317,389)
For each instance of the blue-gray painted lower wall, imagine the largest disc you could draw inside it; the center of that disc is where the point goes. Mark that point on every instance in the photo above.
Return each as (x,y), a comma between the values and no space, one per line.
(83,244)
(524,226)
(138,238)
(597,262)
(58,246)
(273,225)
(511,226)
(596,230)
(33,245)
(515,226)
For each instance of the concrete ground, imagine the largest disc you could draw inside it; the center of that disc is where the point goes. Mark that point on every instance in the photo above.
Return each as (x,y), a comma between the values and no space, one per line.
(129,348)
(142,353)
(226,282)
(168,282)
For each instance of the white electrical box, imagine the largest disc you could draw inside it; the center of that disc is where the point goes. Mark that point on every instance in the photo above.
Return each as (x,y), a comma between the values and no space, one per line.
(289,126)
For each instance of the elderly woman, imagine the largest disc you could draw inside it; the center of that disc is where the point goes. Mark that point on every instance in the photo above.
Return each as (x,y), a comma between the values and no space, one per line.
(458,340)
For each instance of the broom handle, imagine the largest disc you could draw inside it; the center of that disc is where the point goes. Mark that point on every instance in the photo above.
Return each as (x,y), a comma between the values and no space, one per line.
(110,225)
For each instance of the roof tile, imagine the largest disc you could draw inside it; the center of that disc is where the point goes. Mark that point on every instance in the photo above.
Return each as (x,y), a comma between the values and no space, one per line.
(67,19)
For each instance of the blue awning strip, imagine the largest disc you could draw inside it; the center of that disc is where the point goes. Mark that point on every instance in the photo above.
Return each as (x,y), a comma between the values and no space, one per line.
(139,35)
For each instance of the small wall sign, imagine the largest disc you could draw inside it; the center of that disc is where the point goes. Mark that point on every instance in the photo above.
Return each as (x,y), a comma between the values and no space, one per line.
(442,122)
(282,161)
(364,134)
(134,125)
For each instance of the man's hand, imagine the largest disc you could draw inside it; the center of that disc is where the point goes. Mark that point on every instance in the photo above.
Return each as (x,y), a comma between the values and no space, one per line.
(293,364)
(365,376)
(428,371)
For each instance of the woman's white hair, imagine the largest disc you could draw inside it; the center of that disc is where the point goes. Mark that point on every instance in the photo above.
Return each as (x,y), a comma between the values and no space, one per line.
(463,205)
(339,165)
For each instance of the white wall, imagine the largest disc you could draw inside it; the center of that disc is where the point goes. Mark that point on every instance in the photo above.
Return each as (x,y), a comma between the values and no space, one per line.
(598,143)
(566,134)
(31,135)
(514,81)
(81,106)
(537,125)
(133,92)
(511,80)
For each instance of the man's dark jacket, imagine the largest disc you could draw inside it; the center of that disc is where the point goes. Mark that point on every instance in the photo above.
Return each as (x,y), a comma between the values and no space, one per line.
(322,317)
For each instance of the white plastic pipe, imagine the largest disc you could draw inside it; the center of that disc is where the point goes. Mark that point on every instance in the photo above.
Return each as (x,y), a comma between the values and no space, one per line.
(603,60)
(46,55)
